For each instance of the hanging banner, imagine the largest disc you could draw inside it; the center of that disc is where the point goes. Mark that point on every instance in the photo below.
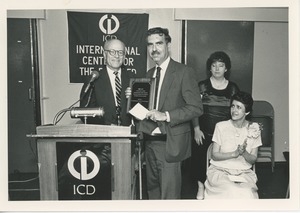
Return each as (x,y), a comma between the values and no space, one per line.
(89,31)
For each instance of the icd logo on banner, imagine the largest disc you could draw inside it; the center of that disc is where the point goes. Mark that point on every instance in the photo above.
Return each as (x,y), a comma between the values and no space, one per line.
(109,29)
(83,174)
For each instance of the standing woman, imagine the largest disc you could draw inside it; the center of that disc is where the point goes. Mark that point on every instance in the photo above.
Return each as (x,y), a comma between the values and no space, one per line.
(235,147)
(216,93)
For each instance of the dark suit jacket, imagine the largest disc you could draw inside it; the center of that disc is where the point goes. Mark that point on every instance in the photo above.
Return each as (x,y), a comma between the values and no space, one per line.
(179,96)
(102,96)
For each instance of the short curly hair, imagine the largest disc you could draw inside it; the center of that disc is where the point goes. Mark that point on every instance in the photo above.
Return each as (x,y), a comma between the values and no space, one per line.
(244,98)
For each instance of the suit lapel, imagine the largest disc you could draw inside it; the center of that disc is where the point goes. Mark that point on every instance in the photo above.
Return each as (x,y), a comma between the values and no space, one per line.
(106,88)
(150,73)
(125,78)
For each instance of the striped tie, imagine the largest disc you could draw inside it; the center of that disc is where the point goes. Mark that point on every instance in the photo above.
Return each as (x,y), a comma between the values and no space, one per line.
(118,89)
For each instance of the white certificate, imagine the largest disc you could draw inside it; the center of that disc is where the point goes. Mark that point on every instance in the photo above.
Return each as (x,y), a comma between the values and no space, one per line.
(139,111)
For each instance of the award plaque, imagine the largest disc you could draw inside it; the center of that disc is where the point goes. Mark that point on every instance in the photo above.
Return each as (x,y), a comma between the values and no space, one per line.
(142,91)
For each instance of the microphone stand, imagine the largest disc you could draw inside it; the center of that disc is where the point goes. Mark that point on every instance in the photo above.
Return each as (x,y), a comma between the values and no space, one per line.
(63,112)
(91,89)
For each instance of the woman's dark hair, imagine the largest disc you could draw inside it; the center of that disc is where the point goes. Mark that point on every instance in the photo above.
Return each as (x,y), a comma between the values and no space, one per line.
(244,98)
(160,31)
(219,56)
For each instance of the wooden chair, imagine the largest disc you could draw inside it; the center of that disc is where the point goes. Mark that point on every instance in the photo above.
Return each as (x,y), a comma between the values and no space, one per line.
(263,113)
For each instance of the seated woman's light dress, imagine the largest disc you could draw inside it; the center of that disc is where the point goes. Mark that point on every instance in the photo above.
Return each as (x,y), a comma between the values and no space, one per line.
(218,185)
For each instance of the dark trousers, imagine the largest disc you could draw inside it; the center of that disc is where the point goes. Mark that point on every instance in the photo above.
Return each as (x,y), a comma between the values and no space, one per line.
(163,178)
(198,159)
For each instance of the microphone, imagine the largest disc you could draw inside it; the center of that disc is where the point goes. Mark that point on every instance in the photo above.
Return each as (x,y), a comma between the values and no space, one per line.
(95,75)
(77,112)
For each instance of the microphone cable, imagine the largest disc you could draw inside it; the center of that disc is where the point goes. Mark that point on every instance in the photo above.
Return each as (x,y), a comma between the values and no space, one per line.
(62,112)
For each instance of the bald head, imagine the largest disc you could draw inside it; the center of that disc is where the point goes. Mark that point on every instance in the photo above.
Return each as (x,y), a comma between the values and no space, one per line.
(110,44)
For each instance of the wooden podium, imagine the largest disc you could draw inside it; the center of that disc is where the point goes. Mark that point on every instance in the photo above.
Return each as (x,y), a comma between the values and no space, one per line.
(123,178)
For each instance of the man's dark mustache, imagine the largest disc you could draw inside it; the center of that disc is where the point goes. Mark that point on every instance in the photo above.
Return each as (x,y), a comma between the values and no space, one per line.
(154,52)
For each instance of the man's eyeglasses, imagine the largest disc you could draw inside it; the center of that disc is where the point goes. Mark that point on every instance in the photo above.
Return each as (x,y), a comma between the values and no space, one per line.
(115,52)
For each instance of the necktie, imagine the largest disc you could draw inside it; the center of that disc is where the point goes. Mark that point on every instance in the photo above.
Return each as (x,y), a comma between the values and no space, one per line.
(158,69)
(118,89)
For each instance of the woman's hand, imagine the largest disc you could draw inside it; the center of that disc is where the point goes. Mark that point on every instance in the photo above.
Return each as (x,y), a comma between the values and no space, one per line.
(242,148)
(199,136)
(235,153)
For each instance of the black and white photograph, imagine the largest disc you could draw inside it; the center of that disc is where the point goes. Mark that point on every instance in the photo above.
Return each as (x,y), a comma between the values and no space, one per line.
(161,106)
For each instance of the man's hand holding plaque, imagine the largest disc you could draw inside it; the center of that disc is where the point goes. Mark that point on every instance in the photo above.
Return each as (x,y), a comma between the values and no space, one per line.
(141,91)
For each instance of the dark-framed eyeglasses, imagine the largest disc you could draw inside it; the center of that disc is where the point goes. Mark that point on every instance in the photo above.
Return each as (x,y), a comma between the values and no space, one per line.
(115,52)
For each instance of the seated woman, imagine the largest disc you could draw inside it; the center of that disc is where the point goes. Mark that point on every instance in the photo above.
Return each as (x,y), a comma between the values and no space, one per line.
(235,147)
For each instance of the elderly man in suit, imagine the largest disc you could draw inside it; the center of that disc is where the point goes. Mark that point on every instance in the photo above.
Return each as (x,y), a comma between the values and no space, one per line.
(168,126)
(108,92)
(109,88)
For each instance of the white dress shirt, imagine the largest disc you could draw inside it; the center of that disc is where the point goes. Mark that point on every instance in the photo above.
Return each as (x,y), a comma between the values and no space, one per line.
(163,67)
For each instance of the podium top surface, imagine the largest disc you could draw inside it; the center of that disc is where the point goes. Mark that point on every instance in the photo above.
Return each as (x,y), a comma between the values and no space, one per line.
(84,130)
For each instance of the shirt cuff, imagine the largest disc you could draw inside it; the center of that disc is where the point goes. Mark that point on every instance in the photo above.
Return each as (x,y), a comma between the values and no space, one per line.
(168,116)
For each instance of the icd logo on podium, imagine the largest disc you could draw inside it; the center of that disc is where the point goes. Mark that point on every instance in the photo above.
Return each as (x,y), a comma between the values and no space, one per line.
(83,174)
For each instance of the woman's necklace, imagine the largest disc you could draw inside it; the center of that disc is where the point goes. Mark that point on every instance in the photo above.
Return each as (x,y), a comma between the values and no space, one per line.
(238,130)
(237,133)
(217,84)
